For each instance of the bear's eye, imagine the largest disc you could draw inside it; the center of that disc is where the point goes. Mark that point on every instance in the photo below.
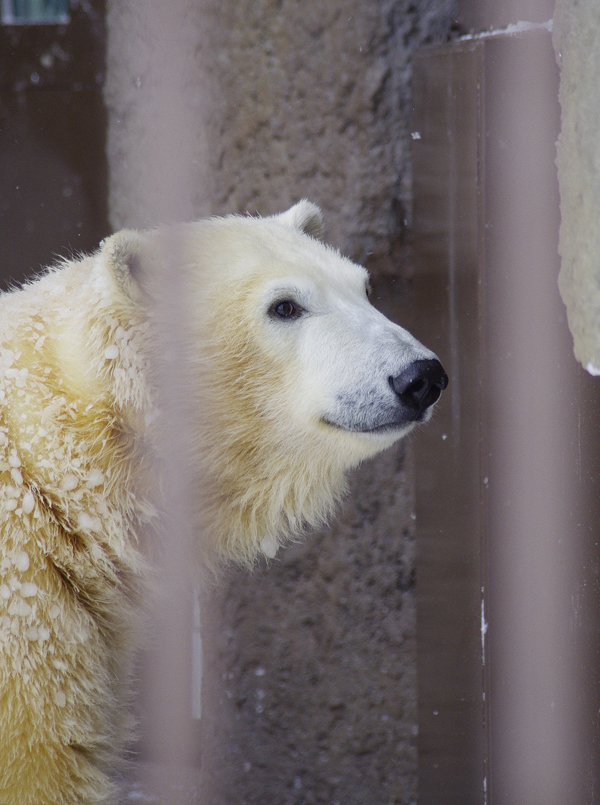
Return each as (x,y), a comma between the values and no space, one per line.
(368,289)
(286,309)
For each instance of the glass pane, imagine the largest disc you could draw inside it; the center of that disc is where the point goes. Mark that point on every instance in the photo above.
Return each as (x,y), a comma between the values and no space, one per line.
(30,12)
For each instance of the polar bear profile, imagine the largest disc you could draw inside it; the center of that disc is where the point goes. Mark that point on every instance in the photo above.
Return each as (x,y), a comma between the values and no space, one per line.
(295,378)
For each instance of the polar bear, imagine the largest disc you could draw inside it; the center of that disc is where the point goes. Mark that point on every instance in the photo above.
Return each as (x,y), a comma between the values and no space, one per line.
(291,378)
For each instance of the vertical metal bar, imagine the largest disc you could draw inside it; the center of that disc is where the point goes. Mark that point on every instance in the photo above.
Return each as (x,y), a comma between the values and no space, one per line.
(446,152)
(196,684)
(535,466)
(530,428)
(155,96)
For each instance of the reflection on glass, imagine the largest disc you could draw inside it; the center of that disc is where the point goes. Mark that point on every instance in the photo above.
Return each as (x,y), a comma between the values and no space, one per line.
(32,12)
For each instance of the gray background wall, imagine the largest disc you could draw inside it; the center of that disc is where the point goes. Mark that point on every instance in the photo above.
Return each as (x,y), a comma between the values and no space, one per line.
(310,686)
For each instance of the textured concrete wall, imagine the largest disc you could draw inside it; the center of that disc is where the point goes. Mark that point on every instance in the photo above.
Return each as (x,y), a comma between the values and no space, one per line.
(309,688)
(315,701)
(314,101)
(315,695)
(576,39)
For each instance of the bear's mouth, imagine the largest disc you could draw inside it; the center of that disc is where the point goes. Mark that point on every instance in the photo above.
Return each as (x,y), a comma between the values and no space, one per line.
(383,428)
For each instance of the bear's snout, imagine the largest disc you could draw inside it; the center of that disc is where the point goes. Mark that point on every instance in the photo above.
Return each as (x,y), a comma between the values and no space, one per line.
(419,386)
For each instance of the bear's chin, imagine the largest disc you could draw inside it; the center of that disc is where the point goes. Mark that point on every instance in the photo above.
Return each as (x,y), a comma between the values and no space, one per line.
(387,430)
(361,444)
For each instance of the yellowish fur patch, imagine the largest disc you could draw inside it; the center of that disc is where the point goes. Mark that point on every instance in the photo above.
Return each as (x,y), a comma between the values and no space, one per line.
(81,353)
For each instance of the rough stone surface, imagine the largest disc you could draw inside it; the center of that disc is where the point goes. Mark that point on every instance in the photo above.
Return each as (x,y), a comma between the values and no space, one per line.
(576,36)
(314,701)
(315,102)
(309,689)
(311,678)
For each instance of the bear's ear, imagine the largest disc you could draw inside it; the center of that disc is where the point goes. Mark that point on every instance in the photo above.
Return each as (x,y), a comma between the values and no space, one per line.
(305,217)
(123,254)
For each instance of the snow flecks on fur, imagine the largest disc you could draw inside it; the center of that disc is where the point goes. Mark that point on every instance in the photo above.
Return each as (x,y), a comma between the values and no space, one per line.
(79,449)
(69,565)
(269,547)
(21,560)
(95,478)
(111,352)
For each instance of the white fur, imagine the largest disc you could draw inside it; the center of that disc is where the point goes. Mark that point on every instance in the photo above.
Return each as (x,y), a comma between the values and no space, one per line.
(274,412)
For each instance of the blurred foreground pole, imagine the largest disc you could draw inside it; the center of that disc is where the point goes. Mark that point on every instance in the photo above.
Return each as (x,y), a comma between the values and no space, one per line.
(509,472)
(531,447)
(171,677)
(156,98)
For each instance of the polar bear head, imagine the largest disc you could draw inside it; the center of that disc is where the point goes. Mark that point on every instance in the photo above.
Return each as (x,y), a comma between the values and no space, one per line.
(294,376)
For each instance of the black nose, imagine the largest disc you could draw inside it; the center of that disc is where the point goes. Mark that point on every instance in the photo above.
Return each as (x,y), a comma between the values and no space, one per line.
(420,385)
